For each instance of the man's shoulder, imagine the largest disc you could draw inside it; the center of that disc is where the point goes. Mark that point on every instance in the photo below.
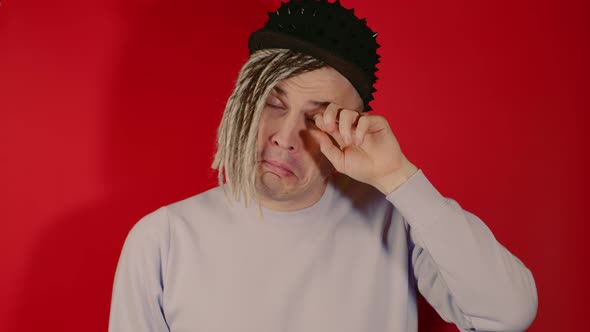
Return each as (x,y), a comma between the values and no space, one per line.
(211,199)
(209,205)
(198,206)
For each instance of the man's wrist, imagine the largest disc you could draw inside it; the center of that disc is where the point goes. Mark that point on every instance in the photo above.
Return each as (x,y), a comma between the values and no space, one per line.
(391,182)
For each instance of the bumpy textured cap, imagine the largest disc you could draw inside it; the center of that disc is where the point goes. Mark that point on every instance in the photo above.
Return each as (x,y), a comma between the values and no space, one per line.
(328,32)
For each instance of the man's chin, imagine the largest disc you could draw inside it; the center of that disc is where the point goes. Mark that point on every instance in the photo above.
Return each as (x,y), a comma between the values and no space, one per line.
(275,187)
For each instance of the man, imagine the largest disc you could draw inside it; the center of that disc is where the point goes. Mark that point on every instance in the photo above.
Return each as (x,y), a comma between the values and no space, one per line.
(320,222)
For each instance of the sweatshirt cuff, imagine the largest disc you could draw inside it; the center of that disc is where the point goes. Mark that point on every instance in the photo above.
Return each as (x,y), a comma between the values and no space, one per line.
(418,201)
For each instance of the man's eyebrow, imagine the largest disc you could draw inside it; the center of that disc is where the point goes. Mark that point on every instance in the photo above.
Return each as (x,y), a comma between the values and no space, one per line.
(316,103)
(279,91)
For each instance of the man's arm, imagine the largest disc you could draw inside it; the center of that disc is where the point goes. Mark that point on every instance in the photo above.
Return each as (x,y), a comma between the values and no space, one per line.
(136,303)
(465,274)
(462,270)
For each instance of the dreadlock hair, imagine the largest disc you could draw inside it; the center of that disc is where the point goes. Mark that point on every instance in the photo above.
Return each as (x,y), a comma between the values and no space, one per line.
(238,131)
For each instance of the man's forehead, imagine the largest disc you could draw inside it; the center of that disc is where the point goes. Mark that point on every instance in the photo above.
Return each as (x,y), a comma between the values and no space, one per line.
(320,87)
(321,100)
(322,78)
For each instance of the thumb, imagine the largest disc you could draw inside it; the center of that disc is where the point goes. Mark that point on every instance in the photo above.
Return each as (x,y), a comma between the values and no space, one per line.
(331,151)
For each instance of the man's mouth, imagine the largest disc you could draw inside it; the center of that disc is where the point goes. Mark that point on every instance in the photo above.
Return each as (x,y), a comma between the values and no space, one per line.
(277,167)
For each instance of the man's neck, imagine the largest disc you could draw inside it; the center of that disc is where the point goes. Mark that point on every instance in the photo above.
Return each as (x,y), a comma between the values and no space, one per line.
(302,201)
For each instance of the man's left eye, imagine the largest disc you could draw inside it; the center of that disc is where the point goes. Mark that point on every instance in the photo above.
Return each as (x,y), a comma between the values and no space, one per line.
(273,105)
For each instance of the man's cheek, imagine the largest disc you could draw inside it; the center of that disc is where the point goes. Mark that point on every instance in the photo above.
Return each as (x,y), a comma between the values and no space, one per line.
(310,143)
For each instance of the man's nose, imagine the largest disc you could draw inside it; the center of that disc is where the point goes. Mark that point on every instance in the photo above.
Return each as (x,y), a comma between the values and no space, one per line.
(287,135)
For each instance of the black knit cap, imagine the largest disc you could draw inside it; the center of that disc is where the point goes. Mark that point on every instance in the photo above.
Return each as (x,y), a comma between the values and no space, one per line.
(330,33)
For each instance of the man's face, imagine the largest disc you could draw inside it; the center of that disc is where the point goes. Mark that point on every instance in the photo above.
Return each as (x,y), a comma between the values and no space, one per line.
(291,170)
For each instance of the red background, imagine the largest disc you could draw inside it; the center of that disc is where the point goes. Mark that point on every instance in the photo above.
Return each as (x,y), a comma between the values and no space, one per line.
(108,110)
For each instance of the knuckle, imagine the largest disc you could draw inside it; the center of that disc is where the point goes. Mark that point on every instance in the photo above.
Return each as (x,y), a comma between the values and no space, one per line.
(363,121)
(332,109)
(347,112)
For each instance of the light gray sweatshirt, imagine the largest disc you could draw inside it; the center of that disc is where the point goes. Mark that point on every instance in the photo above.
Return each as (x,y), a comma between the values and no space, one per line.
(350,262)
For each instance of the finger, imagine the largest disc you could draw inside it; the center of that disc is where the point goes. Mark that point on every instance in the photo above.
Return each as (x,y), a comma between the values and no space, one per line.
(331,151)
(369,124)
(319,121)
(335,133)
(346,120)
(331,117)
(361,130)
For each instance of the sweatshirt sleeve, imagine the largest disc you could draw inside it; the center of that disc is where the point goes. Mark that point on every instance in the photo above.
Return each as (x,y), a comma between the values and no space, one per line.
(461,269)
(136,303)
